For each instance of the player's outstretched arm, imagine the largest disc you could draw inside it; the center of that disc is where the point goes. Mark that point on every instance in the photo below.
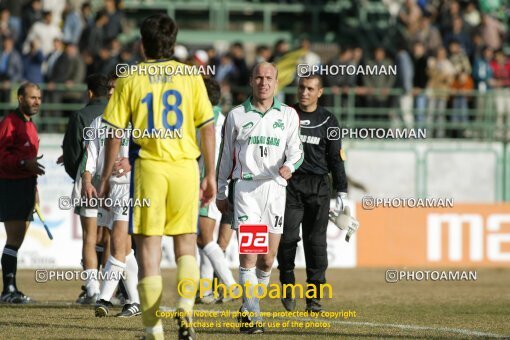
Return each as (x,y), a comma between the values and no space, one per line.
(335,158)
(294,149)
(88,165)
(225,162)
(72,145)
(208,142)
(121,167)
(112,147)
(89,162)
(87,189)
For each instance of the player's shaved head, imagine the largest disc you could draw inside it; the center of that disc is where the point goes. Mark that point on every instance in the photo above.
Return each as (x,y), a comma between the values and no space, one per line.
(158,36)
(264,64)
(263,80)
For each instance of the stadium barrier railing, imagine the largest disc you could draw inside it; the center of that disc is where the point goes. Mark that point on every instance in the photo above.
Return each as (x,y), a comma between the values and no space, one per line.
(447,114)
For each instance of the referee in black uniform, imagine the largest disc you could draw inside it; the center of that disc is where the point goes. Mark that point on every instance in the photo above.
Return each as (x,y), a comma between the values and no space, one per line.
(308,193)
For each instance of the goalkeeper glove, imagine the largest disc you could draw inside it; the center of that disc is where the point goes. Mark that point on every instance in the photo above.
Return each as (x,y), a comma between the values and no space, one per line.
(345,221)
(341,202)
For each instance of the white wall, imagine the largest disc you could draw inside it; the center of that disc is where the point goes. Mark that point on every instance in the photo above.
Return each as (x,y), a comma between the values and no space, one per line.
(393,169)
(64,251)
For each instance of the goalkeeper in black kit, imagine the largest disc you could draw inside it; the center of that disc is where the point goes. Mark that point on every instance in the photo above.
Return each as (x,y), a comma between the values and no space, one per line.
(308,194)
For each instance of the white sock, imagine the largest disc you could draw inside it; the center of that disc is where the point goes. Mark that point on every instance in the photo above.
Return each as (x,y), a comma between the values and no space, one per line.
(251,304)
(219,263)
(206,271)
(113,270)
(131,281)
(92,284)
(263,278)
(154,330)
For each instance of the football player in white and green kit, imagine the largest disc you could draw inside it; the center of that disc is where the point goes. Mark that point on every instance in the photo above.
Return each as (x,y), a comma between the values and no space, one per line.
(260,150)
(212,258)
(122,258)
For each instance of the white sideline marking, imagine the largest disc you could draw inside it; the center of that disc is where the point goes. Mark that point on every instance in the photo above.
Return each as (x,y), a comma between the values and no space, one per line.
(417,328)
(388,325)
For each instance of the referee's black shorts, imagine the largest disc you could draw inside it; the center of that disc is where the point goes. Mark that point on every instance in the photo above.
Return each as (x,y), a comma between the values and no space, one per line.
(17,199)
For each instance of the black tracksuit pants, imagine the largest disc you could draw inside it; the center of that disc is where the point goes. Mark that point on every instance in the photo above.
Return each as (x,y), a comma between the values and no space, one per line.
(307,203)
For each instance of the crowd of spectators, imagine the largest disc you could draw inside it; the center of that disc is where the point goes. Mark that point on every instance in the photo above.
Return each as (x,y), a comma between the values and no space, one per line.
(58,41)
(456,47)
(446,49)
(450,59)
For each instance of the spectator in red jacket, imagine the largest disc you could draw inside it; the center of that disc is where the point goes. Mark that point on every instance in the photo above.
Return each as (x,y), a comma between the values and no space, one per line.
(501,84)
(19,168)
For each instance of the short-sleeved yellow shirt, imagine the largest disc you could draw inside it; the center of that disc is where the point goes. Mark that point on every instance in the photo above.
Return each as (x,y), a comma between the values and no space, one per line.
(164,108)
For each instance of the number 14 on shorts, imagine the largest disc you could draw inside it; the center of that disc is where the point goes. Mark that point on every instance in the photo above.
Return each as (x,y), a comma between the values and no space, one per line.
(253,239)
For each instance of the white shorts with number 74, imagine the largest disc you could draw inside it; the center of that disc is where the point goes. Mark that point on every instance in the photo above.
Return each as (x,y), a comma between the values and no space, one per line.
(259,202)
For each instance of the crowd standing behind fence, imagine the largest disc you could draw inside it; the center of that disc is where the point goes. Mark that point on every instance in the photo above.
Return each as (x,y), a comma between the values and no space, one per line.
(62,42)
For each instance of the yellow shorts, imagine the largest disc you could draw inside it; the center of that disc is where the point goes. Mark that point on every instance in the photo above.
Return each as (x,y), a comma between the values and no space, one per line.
(173,191)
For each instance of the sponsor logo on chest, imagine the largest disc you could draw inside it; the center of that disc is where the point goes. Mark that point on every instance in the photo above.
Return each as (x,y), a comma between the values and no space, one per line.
(278,124)
(310,139)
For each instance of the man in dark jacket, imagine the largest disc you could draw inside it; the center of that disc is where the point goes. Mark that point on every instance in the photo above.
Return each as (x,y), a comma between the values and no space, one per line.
(11,66)
(72,145)
(74,149)
(69,69)
(32,63)
(11,69)
(420,79)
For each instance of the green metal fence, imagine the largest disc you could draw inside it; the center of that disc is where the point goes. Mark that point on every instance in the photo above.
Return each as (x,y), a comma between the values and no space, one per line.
(480,121)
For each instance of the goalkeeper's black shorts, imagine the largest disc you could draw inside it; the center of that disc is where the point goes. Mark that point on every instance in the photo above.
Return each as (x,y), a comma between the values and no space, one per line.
(17,199)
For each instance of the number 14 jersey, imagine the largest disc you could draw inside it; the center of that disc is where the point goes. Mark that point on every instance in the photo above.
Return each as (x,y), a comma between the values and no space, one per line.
(256,145)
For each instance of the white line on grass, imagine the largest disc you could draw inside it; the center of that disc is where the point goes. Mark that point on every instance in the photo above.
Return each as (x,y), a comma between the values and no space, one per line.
(420,328)
(467,332)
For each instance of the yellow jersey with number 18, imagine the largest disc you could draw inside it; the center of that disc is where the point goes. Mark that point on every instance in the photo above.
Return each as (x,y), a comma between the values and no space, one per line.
(166,103)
